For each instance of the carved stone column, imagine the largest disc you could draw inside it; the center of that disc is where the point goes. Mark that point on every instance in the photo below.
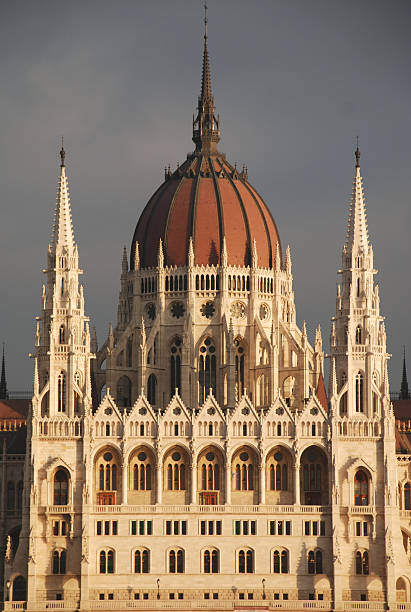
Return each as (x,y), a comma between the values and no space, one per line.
(124,483)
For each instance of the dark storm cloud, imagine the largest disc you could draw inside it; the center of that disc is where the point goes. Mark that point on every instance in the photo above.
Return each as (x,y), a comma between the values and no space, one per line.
(294,82)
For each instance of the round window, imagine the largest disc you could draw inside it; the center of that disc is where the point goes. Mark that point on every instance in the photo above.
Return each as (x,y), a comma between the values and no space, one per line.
(278,456)
(210,456)
(107,456)
(176,456)
(142,456)
(244,456)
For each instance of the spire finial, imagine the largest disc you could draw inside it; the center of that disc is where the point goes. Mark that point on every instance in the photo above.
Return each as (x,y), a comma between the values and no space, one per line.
(404,393)
(357,154)
(206,125)
(62,152)
(205,20)
(3,384)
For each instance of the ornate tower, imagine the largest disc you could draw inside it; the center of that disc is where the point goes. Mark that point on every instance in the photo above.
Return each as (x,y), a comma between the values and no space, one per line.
(50,542)
(358,341)
(365,519)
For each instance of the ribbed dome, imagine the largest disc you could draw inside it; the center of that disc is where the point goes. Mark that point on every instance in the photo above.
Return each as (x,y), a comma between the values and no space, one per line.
(206,199)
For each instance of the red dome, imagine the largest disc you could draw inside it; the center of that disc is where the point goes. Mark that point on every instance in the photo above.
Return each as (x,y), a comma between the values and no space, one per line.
(207,199)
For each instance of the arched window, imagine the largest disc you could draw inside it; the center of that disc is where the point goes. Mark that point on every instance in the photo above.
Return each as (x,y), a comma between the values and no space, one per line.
(278,471)
(239,368)
(407,496)
(60,488)
(176,561)
(246,561)
(152,389)
(19,589)
(359,392)
(59,562)
(244,471)
(343,404)
(107,476)
(129,352)
(124,392)
(362,563)
(142,472)
(262,391)
(207,369)
(315,562)
(62,334)
(280,562)
(358,335)
(61,392)
(361,492)
(176,472)
(141,561)
(106,565)
(318,562)
(20,487)
(314,477)
(211,561)
(175,366)
(10,495)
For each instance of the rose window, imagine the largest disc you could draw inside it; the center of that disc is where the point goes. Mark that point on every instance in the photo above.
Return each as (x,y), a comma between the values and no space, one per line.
(177,309)
(207,310)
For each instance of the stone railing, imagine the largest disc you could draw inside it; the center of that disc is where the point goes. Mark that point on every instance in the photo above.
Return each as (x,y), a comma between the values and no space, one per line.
(227,509)
(202,604)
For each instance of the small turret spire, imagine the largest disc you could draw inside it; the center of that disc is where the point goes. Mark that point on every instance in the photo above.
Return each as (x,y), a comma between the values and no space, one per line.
(404,393)
(3,383)
(357,231)
(63,228)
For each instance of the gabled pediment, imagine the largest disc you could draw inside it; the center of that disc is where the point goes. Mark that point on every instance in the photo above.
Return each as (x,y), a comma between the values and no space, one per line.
(108,410)
(142,409)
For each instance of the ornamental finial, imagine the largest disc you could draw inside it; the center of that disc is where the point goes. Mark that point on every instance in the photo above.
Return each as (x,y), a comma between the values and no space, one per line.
(357,155)
(62,152)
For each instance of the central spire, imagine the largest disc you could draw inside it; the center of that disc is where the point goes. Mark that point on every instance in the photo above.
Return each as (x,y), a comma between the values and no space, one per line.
(206,126)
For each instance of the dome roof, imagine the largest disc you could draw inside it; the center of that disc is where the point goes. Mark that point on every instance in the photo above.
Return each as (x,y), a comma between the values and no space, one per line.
(205,199)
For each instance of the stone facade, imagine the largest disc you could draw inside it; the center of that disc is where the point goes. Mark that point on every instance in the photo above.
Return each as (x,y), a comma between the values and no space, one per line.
(211,471)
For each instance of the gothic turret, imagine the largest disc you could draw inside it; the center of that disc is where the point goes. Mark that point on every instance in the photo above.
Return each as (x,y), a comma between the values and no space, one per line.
(358,344)
(62,337)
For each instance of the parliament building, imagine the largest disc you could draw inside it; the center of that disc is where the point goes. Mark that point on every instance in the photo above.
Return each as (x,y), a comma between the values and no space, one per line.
(195,459)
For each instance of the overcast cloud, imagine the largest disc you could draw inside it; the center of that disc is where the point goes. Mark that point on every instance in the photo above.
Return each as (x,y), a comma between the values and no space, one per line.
(294,83)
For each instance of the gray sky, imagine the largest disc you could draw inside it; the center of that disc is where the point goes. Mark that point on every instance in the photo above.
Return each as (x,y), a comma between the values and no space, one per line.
(294,83)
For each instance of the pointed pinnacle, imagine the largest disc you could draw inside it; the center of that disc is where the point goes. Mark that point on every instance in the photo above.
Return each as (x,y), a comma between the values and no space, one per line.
(124,261)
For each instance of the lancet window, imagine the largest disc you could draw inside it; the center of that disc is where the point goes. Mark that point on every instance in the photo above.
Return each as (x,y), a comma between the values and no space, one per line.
(359,392)
(176,561)
(361,489)
(207,369)
(141,561)
(315,562)
(239,368)
(246,561)
(59,562)
(142,472)
(280,562)
(152,389)
(106,565)
(362,563)
(61,392)
(278,470)
(60,488)
(176,472)
(244,471)
(175,366)
(211,561)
